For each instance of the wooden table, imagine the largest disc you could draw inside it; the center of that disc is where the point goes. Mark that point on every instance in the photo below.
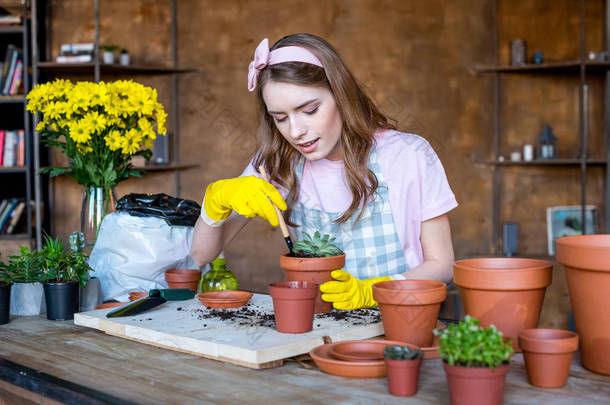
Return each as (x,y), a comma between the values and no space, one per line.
(84,366)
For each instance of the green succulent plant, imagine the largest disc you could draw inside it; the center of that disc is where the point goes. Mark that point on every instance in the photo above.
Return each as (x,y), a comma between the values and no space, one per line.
(316,246)
(467,344)
(401,353)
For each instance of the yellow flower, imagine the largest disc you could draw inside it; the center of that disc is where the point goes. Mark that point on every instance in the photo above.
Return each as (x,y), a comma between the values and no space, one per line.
(161,116)
(80,97)
(82,148)
(79,132)
(59,88)
(131,142)
(94,121)
(113,140)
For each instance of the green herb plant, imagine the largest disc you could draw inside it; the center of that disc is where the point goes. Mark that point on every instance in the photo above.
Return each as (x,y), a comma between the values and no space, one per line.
(24,267)
(61,264)
(467,344)
(316,246)
(401,353)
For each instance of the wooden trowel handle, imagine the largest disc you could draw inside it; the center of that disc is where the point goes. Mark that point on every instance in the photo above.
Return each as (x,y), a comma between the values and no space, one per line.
(280,217)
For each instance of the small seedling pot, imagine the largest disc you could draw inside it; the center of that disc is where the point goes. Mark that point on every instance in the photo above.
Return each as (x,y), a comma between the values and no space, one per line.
(293,305)
(409,309)
(183,278)
(548,355)
(314,270)
(403,375)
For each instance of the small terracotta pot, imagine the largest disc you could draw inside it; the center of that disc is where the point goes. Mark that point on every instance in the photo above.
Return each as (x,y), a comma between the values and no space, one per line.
(313,269)
(548,355)
(409,309)
(293,305)
(136,295)
(475,385)
(403,376)
(587,262)
(505,292)
(183,278)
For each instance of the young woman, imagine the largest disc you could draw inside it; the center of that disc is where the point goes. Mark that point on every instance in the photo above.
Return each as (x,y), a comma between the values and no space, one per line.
(339,166)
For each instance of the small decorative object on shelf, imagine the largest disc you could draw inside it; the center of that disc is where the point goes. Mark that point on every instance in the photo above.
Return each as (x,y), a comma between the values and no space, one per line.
(518,54)
(515,156)
(546,144)
(99,126)
(509,238)
(538,58)
(108,53)
(598,56)
(528,152)
(124,58)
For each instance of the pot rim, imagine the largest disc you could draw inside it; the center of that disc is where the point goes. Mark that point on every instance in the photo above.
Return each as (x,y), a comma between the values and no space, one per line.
(503,273)
(435,293)
(534,340)
(307,264)
(584,252)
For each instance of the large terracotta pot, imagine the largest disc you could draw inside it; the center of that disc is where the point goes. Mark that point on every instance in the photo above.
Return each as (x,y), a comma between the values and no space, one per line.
(475,385)
(315,270)
(505,292)
(183,278)
(409,309)
(548,355)
(293,305)
(587,262)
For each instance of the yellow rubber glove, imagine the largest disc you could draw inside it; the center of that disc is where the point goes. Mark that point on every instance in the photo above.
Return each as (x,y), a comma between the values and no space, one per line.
(249,196)
(348,292)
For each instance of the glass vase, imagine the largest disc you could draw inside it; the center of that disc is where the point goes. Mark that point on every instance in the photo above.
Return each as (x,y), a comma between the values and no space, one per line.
(97,202)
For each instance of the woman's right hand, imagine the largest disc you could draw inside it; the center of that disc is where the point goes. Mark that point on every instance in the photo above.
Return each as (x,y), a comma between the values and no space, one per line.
(248,196)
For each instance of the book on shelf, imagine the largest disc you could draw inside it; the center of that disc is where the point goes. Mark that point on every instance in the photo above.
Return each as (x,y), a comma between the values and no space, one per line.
(82,58)
(10,19)
(6,214)
(12,71)
(12,146)
(88,47)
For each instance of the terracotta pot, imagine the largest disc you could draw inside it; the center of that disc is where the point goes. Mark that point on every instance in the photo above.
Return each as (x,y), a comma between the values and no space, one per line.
(548,355)
(293,305)
(183,278)
(315,269)
(409,309)
(403,376)
(587,262)
(475,385)
(505,292)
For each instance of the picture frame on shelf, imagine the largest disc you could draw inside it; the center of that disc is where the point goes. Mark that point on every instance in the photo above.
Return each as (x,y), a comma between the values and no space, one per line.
(565,220)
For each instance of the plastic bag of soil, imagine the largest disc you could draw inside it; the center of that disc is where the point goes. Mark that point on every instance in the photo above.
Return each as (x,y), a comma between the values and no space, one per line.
(174,211)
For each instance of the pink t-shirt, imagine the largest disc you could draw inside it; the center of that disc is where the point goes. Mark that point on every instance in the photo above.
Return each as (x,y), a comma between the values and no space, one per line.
(417,186)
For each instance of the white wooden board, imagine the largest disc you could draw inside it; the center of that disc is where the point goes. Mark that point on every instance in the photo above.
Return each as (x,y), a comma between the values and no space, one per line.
(250,340)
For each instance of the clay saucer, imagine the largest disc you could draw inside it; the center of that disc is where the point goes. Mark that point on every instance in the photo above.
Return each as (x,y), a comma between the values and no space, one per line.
(136,295)
(110,305)
(352,369)
(361,350)
(225,299)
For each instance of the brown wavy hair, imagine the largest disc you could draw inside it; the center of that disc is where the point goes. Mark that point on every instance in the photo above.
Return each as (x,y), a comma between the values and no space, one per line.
(361,118)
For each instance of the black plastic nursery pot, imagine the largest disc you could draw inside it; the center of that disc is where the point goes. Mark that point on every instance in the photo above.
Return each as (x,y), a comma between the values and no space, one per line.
(61,300)
(5,302)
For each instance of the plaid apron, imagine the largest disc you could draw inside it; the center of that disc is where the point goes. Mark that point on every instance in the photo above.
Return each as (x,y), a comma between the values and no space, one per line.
(371,246)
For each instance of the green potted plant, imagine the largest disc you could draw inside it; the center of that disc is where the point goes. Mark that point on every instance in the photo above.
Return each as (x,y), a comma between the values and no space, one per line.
(5,294)
(476,360)
(25,272)
(64,270)
(402,365)
(108,53)
(313,259)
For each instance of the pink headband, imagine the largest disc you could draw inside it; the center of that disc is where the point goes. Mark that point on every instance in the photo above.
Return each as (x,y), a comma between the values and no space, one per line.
(264,58)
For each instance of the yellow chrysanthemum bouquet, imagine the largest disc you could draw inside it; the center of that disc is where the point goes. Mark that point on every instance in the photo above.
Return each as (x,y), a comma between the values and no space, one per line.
(99,126)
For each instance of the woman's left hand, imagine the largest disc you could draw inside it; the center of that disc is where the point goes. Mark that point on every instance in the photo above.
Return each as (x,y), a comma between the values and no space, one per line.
(348,292)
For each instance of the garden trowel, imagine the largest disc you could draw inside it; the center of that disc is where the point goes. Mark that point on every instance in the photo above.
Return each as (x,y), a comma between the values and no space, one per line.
(155,297)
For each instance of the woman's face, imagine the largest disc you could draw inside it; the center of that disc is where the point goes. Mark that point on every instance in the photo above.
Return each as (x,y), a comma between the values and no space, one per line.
(307,117)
